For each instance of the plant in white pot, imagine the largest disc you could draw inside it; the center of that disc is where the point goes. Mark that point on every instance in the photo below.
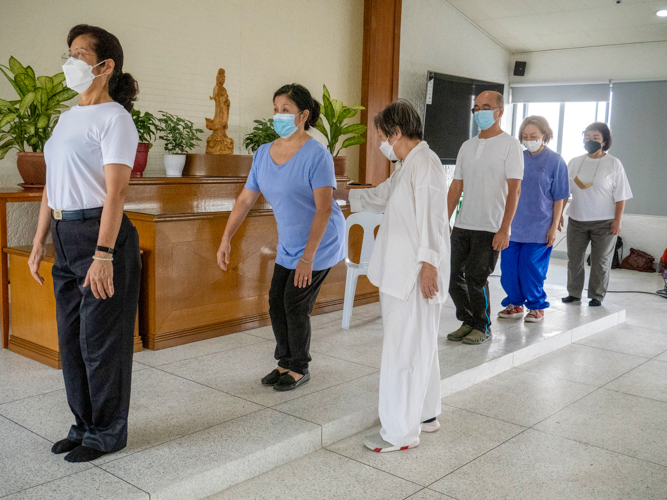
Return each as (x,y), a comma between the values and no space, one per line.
(336,114)
(179,136)
(26,123)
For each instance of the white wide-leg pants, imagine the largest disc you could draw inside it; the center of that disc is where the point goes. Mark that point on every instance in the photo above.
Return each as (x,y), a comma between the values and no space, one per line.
(410,372)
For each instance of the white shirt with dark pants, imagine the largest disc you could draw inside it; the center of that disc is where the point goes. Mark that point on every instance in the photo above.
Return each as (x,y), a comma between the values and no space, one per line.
(484,166)
(96,336)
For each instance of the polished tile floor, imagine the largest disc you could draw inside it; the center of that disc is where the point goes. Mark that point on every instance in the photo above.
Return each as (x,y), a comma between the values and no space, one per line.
(585,421)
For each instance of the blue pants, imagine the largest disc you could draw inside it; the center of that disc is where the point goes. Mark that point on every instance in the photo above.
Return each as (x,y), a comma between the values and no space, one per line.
(523,268)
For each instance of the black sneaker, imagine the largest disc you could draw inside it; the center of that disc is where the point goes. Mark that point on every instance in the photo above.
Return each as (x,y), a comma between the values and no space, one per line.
(287,382)
(273,377)
(570,298)
(594,303)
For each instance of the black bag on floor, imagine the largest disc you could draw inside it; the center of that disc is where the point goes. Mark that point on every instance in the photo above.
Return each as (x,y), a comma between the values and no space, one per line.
(618,254)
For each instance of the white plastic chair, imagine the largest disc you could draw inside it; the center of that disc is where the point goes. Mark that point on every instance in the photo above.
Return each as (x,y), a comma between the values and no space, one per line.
(368,222)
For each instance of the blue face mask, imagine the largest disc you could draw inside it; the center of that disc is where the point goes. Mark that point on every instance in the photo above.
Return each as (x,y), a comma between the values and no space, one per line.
(484,118)
(283,124)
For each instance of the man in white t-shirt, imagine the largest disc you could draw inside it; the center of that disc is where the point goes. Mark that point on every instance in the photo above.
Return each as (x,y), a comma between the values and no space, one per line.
(489,168)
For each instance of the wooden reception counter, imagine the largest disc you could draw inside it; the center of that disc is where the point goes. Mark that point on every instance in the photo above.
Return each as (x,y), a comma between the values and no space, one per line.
(185,296)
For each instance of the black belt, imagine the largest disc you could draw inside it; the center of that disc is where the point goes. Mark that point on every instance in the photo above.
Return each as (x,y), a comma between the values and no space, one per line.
(87,213)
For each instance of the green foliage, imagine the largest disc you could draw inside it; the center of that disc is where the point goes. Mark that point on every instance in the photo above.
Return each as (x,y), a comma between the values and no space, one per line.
(30,119)
(336,113)
(262,133)
(147,125)
(178,134)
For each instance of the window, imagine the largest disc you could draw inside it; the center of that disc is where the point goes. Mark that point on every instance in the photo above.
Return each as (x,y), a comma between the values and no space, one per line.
(567,120)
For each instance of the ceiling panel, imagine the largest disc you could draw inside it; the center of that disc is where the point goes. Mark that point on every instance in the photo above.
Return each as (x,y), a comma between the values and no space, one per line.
(531,25)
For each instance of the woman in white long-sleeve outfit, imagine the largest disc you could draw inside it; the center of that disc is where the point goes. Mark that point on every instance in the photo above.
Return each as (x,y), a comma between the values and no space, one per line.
(410,265)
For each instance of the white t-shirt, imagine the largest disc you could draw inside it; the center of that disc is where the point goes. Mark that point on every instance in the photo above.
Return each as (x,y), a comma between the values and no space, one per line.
(610,185)
(484,165)
(85,139)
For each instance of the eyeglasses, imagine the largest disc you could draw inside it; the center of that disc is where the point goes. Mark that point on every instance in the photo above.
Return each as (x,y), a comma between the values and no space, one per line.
(75,55)
(486,107)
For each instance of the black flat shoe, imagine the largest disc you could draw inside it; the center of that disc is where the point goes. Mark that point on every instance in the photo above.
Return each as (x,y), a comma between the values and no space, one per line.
(594,303)
(64,446)
(570,298)
(287,383)
(84,454)
(273,377)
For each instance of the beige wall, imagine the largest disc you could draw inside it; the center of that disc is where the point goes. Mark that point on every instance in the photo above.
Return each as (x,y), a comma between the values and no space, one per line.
(175,47)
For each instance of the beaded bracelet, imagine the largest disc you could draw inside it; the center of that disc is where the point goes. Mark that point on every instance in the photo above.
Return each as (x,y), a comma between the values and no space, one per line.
(95,257)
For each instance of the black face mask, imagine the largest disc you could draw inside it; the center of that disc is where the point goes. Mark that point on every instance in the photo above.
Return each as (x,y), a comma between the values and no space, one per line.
(592,146)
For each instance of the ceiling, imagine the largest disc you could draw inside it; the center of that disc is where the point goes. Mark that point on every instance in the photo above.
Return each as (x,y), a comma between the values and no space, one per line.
(534,25)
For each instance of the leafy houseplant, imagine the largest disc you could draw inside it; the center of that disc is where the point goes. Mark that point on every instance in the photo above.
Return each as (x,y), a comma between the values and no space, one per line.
(28,121)
(148,127)
(262,133)
(179,136)
(336,114)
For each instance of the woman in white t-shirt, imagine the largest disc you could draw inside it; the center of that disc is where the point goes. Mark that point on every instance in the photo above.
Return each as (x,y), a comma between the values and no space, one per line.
(600,189)
(96,273)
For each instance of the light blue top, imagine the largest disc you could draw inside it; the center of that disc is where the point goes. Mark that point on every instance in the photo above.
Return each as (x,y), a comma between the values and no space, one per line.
(545,181)
(289,189)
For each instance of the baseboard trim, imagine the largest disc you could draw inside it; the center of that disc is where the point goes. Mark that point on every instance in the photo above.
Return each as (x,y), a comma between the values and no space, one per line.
(35,352)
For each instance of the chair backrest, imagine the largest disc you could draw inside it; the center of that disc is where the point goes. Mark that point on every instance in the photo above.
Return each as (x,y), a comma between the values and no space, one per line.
(368,223)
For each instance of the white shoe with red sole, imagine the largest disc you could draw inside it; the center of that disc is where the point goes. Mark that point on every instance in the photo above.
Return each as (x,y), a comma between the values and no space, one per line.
(511,312)
(378,445)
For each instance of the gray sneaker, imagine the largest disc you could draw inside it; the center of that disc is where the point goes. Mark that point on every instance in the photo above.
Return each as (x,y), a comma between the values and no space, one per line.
(477,337)
(458,335)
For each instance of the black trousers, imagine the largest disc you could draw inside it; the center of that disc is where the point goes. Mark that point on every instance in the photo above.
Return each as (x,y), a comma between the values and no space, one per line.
(473,261)
(96,336)
(290,308)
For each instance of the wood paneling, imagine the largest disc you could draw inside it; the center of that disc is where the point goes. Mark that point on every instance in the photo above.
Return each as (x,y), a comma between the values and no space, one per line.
(33,310)
(379,80)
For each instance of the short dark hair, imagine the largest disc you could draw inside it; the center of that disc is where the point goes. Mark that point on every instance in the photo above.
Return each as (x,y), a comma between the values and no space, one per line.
(604,129)
(400,115)
(123,88)
(301,96)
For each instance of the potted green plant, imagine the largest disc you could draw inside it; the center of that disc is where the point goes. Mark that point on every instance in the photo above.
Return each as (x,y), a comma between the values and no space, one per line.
(26,123)
(179,136)
(336,114)
(147,127)
(262,133)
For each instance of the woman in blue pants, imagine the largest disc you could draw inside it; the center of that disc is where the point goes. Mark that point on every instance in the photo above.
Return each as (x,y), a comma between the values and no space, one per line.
(544,192)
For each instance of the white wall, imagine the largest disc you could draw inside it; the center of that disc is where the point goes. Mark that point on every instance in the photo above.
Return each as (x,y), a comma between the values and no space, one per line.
(436,37)
(174,49)
(642,61)
(638,61)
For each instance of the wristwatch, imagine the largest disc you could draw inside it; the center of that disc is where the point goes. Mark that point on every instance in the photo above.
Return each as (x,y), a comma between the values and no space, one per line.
(99,248)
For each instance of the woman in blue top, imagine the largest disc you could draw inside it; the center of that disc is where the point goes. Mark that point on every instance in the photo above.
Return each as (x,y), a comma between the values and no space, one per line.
(295,173)
(544,191)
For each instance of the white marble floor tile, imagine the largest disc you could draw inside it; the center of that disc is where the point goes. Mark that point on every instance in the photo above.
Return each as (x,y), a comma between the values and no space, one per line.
(239,372)
(619,422)
(162,407)
(462,437)
(341,410)
(22,377)
(27,460)
(651,318)
(583,364)
(322,475)
(136,366)
(464,357)
(629,340)
(648,380)
(539,466)
(360,344)
(519,397)
(195,349)
(427,494)
(207,462)
(87,485)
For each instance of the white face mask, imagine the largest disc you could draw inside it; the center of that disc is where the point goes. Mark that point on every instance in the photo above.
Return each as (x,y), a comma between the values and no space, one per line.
(533,146)
(388,150)
(79,74)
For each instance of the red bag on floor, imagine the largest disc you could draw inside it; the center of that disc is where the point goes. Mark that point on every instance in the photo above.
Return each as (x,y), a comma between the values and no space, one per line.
(639,261)
(663,262)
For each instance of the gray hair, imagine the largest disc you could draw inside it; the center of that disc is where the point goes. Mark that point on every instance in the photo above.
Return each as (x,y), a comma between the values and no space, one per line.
(400,115)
